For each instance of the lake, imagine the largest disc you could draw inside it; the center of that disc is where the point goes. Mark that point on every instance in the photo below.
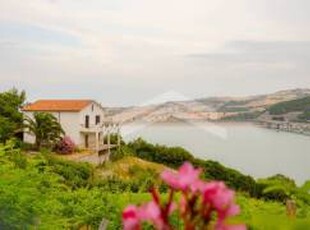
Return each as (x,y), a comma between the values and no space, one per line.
(252,150)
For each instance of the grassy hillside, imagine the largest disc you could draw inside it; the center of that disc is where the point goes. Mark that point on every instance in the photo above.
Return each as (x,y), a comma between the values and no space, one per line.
(129,168)
(45,192)
(302,105)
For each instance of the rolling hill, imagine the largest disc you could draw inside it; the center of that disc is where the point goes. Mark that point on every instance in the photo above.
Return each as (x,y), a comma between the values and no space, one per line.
(211,108)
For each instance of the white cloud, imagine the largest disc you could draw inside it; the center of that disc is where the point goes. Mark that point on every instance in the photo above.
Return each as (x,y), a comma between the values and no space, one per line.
(132,43)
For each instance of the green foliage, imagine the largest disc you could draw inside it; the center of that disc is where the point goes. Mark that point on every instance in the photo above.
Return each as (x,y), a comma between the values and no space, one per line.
(44,192)
(49,193)
(175,156)
(45,128)
(114,139)
(129,174)
(281,188)
(170,156)
(117,185)
(260,214)
(75,174)
(11,119)
(118,154)
(302,104)
(234,179)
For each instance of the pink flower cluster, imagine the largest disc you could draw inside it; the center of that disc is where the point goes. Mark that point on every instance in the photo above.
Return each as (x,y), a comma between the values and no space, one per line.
(66,145)
(201,205)
(152,212)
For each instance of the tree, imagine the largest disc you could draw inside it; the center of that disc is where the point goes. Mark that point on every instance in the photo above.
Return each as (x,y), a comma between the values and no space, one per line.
(293,194)
(45,128)
(11,119)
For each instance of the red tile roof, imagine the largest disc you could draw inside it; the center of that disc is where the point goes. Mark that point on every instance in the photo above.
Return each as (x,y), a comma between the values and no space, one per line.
(57,105)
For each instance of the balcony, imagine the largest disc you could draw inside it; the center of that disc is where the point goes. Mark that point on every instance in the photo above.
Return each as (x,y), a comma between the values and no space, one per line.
(91,128)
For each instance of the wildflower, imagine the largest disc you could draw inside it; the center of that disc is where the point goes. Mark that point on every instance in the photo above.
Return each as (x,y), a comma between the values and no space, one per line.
(131,218)
(222,200)
(151,212)
(198,202)
(231,227)
(183,179)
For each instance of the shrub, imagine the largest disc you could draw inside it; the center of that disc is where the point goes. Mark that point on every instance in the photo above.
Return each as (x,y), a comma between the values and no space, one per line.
(118,154)
(234,179)
(176,156)
(65,146)
(75,174)
(170,156)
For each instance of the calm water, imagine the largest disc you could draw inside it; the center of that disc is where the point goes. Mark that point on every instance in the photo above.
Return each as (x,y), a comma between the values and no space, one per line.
(253,150)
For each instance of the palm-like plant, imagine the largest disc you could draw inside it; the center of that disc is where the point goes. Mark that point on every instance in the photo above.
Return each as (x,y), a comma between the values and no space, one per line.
(293,194)
(45,128)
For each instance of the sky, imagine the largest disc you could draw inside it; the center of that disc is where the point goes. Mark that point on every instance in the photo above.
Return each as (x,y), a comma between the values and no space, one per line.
(128,52)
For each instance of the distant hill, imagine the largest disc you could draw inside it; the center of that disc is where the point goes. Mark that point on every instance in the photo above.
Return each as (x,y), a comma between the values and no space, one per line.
(211,108)
(263,101)
(297,105)
(293,110)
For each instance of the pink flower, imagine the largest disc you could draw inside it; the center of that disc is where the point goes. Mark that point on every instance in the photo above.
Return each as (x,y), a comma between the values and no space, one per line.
(150,211)
(183,179)
(198,186)
(218,195)
(231,227)
(198,202)
(222,200)
(183,204)
(131,218)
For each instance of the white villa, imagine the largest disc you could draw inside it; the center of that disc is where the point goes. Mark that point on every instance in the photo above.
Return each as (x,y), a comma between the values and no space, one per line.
(83,121)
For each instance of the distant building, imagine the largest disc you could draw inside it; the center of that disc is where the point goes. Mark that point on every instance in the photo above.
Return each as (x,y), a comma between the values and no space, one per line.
(82,120)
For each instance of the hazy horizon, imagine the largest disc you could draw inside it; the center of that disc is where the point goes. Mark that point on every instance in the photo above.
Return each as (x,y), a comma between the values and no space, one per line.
(124,53)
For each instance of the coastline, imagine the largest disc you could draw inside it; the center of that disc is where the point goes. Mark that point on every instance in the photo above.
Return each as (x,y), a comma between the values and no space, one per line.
(290,127)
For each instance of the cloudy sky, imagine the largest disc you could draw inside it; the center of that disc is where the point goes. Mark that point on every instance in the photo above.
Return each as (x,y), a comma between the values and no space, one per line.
(125,52)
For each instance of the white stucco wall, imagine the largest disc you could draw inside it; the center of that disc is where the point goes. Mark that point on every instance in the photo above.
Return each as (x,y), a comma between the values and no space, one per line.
(69,121)
(91,110)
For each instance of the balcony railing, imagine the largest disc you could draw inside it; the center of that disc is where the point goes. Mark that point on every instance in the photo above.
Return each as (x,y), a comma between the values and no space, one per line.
(91,128)
(107,125)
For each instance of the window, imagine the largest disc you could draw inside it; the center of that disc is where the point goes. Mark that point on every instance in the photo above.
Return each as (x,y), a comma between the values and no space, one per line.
(92,107)
(97,119)
(86,121)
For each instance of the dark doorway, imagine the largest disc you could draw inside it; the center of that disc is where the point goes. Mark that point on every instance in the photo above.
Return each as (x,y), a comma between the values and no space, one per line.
(97,119)
(86,121)
(86,141)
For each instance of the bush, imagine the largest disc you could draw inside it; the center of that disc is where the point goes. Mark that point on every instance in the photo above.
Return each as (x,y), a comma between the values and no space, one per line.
(75,174)
(65,146)
(176,156)
(118,154)
(234,179)
(169,156)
